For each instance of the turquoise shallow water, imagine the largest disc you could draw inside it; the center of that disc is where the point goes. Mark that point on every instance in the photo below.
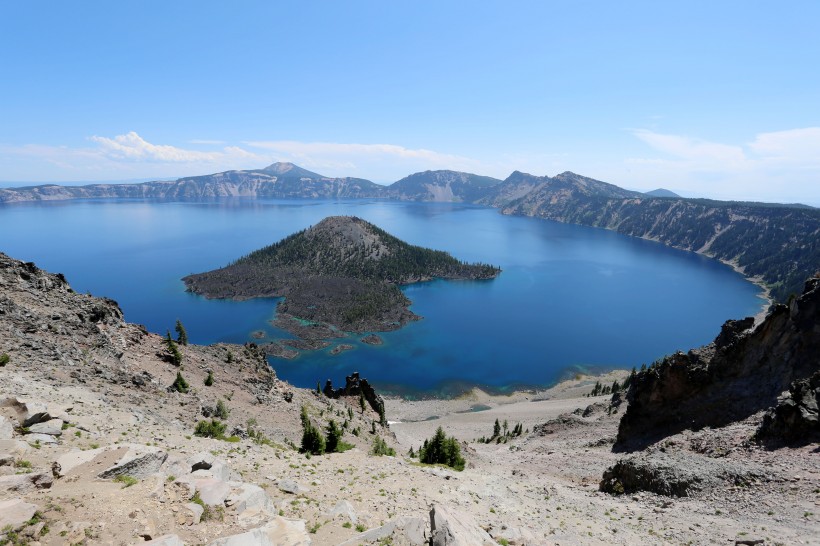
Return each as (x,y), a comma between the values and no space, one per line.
(569,298)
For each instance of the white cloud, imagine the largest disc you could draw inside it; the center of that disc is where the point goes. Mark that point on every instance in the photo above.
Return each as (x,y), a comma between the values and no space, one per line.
(774,166)
(133,147)
(118,157)
(692,149)
(797,146)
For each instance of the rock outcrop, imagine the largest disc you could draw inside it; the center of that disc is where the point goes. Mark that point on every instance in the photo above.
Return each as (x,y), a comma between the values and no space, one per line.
(741,373)
(795,419)
(357,386)
(675,475)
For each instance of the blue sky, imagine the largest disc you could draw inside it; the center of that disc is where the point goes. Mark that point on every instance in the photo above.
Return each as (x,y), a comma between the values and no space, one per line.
(719,99)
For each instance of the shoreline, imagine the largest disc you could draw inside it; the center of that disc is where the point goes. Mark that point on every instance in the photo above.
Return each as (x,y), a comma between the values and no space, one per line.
(402,411)
(765,292)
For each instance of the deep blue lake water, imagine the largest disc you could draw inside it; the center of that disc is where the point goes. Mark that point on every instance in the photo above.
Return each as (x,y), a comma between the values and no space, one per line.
(570,297)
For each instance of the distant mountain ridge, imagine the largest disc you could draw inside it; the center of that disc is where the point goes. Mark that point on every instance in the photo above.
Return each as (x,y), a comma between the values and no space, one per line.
(779,245)
(661,192)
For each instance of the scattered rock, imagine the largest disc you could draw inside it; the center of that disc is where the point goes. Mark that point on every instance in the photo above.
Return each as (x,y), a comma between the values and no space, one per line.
(166,540)
(344,509)
(290,486)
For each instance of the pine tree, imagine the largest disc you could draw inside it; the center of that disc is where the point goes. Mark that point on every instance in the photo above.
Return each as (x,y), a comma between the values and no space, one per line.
(496,429)
(442,450)
(182,335)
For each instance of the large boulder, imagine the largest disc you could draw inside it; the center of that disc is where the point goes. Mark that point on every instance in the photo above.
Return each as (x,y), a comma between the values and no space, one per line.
(30,412)
(676,475)
(452,528)
(345,510)
(251,503)
(137,461)
(278,532)
(23,483)
(6,429)
(14,513)
(212,491)
(403,530)
(127,459)
(13,448)
(52,427)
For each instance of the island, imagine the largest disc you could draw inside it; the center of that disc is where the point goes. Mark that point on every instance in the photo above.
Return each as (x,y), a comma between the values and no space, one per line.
(341,275)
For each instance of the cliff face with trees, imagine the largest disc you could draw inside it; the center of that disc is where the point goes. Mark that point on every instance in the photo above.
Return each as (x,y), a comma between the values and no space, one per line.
(779,244)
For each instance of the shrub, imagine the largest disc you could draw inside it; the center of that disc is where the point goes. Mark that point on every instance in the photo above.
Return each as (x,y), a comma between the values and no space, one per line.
(380,448)
(126,480)
(334,436)
(180,385)
(209,381)
(4,359)
(442,450)
(212,429)
(312,440)
(221,410)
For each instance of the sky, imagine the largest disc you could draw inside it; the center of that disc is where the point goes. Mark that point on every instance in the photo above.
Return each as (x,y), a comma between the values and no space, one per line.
(713,99)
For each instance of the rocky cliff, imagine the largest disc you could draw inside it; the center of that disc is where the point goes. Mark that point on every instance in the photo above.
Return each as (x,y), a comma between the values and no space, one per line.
(742,372)
(779,244)
(441,186)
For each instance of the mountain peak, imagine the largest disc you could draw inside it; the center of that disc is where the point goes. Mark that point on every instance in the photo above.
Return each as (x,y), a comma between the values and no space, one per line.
(290,170)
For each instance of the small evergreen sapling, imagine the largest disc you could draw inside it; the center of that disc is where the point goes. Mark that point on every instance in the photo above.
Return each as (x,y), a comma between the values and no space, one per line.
(182,335)
(179,384)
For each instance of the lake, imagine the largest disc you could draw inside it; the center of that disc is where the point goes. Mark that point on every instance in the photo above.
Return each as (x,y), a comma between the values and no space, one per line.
(570,298)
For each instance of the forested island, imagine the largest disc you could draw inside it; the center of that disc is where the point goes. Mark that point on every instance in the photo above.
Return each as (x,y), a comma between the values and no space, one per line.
(341,275)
